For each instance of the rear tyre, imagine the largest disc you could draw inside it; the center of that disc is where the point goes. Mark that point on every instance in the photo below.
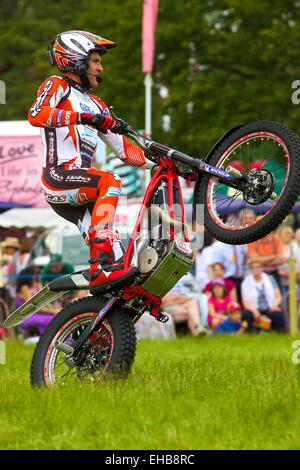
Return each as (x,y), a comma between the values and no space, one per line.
(268,153)
(110,350)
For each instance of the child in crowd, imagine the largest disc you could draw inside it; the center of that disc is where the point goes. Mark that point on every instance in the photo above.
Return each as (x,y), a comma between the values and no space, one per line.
(217,303)
(233,325)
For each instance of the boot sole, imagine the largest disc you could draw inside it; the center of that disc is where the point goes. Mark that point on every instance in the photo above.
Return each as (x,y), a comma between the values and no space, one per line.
(123,281)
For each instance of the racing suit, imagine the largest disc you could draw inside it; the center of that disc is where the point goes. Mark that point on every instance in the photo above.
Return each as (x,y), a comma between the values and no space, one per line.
(84,195)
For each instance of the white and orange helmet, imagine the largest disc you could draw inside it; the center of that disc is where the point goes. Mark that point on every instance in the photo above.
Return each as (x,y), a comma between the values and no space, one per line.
(71,50)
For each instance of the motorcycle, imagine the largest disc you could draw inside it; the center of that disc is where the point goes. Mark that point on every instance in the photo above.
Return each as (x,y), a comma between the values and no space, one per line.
(252,169)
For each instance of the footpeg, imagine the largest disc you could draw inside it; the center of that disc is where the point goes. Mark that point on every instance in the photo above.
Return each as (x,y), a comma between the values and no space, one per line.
(162,318)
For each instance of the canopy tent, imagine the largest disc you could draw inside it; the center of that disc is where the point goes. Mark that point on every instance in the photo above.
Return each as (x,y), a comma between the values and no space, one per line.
(32,218)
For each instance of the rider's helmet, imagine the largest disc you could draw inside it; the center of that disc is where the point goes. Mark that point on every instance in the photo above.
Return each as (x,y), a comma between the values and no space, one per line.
(71,50)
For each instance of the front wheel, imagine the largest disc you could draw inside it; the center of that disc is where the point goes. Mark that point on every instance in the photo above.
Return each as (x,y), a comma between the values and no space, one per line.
(110,349)
(266,155)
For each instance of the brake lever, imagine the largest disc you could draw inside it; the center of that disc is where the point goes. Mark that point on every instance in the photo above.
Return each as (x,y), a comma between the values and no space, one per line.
(137,137)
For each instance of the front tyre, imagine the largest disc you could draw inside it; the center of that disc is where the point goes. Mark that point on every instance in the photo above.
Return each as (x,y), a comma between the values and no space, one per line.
(267,154)
(110,349)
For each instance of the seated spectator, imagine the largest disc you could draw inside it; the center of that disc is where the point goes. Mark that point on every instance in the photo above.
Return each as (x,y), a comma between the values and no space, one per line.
(182,303)
(233,258)
(261,297)
(28,285)
(233,325)
(56,268)
(269,252)
(217,303)
(218,270)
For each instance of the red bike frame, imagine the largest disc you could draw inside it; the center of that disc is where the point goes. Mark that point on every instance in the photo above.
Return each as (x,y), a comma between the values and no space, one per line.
(166,172)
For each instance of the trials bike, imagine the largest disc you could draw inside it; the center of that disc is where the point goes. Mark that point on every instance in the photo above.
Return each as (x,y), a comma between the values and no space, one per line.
(254,166)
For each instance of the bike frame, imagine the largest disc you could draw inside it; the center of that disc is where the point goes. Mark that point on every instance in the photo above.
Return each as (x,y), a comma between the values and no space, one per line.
(166,172)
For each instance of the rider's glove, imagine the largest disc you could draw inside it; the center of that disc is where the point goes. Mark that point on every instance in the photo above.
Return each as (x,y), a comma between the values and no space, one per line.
(120,127)
(99,121)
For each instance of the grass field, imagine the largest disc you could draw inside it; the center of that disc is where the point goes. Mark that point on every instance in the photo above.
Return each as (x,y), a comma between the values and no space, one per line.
(191,393)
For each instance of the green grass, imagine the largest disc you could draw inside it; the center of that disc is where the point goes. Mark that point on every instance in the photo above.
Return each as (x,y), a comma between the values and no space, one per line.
(211,393)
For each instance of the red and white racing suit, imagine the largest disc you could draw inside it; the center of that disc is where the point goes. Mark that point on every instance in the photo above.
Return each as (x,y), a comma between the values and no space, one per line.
(84,195)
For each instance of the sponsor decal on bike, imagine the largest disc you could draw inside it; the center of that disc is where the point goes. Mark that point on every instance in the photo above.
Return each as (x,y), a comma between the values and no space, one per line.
(36,108)
(183,246)
(58,117)
(216,171)
(112,191)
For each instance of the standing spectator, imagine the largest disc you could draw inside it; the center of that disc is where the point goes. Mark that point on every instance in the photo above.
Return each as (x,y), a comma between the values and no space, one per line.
(261,297)
(203,261)
(217,304)
(18,263)
(28,285)
(233,325)
(286,235)
(296,247)
(269,252)
(56,268)
(233,257)
(218,270)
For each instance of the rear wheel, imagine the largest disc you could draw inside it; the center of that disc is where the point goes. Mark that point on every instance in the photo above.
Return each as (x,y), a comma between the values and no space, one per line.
(110,349)
(265,158)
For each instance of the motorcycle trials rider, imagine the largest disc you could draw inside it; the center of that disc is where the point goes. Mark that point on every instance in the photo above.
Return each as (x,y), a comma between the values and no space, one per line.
(70,117)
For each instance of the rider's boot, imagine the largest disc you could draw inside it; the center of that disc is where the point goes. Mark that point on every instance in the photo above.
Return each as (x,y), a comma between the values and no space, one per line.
(104,270)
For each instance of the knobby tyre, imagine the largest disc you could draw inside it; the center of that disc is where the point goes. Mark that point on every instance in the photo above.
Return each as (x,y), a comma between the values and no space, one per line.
(110,352)
(261,149)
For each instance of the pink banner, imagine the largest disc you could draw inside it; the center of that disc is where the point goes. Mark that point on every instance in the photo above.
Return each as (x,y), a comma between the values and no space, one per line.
(20,171)
(150,12)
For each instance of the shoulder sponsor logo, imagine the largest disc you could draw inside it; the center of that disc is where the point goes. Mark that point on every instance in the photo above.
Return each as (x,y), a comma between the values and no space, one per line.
(50,118)
(105,112)
(36,108)
(67,118)
(85,108)
(58,117)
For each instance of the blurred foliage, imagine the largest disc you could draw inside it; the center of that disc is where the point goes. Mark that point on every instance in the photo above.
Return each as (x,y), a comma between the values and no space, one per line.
(223,62)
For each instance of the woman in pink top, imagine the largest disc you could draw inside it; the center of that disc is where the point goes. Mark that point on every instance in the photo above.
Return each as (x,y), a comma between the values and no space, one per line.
(218,271)
(217,303)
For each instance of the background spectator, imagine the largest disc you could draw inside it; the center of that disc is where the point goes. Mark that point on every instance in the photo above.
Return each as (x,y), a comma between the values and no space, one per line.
(28,285)
(55,268)
(217,303)
(218,271)
(269,252)
(182,303)
(261,297)
(19,262)
(233,257)
(9,248)
(286,235)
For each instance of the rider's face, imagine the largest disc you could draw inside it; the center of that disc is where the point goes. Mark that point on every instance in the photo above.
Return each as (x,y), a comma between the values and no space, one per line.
(95,68)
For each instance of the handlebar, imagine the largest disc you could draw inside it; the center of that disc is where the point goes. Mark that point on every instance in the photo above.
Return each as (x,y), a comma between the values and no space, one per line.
(156,149)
